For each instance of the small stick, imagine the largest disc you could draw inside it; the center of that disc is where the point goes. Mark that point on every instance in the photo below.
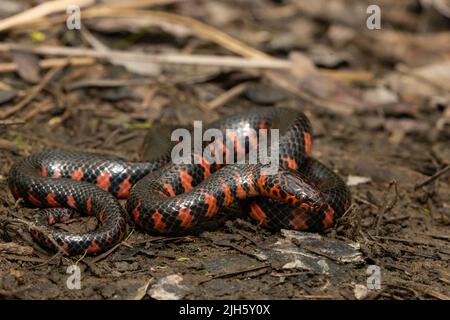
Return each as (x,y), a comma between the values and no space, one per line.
(399,218)
(34,227)
(432,178)
(439,236)
(405,70)
(227,96)
(407,241)
(39,108)
(50,63)
(40,11)
(47,261)
(423,288)
(241,250)
(10,122)
(363,200)
(314,297)
(353,206)
(201,60)
(317,252)
(236,273)
(45,9)
(246,236)
(108,83)
(32,94)
(388,207)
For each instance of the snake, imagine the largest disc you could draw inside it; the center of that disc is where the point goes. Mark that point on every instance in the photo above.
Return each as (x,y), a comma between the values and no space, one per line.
(169,197)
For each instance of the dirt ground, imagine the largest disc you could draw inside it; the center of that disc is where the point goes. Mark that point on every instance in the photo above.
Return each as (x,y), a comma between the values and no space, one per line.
(379,102)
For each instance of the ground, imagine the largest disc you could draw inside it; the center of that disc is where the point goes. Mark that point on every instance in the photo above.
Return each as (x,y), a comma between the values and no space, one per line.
(378,100)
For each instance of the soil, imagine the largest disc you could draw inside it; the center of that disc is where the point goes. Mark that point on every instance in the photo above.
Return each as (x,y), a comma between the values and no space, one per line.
(387,149)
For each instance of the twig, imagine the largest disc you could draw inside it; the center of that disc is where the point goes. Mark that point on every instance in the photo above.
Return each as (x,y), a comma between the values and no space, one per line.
(281,79)
(432,178)
(439,236)
(34,227)
(32,94)
(200,60)
(241,250)
(14,257)
(365,201)
(49,21)
(40,11)
(349,75)
(350,209)
(386,207)
(227,96)
(247,236)
(423,288)
(50,63)
(38,108)
(412,73)
(419,253)
(407,241)
(287,275)
(399,218)
(289,83)
(317,252)
(108,83)
(434,293)
(46,262)
(10,122)
(135,4)
(235,273)
(97,45)
(316,297)
(201,29)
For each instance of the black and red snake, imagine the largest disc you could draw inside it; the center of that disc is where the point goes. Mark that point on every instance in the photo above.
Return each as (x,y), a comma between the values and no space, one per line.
(167,198)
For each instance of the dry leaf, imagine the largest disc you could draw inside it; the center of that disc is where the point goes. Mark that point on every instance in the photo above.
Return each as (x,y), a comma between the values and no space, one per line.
(355,180)
(424,82)
(169,288)
(27,66)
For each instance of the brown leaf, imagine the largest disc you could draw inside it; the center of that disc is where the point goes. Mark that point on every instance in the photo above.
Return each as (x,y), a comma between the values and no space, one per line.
(336,95)
(421,83)
(27,66)
(6,96)
(411,49)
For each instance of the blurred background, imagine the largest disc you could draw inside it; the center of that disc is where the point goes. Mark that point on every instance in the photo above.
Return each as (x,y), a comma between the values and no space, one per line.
(108,76)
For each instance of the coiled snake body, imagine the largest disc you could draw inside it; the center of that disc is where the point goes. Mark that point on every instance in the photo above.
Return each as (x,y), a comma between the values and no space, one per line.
(167,198)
